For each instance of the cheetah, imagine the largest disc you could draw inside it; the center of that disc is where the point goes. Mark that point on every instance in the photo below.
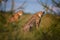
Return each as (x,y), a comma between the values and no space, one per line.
(35,19)
(14,17)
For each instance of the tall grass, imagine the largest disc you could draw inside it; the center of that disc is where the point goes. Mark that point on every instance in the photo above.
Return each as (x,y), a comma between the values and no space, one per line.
(49,29)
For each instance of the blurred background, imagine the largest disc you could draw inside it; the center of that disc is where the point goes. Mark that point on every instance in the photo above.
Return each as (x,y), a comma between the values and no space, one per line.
(49,28)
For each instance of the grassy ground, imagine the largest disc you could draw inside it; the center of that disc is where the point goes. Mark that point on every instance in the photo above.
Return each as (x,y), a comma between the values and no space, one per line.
(49,29)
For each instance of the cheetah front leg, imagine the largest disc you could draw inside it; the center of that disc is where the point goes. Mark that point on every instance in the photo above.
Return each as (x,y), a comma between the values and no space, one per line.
(37,24)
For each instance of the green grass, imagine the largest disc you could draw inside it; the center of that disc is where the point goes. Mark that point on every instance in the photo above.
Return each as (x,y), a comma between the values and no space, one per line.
(49,29)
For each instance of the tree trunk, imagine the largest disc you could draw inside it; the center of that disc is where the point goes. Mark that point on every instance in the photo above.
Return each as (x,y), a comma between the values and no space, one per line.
(12,6)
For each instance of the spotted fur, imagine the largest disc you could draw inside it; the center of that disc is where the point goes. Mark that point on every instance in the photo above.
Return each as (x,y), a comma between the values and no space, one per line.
(35,19)
(14,17)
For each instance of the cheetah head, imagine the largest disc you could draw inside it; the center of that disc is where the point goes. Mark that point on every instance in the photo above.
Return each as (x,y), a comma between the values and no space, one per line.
(20,13)
(40,14)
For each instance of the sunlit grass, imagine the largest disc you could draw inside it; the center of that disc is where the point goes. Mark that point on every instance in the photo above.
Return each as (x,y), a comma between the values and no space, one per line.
(49,29)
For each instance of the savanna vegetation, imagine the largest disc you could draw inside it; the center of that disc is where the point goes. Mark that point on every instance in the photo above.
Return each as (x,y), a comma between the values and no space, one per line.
(49,28)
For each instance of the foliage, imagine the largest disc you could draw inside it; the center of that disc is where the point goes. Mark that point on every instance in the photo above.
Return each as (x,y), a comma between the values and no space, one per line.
(49,29)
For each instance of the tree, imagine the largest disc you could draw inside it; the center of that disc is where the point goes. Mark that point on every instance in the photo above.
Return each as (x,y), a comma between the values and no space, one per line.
(0,5)
(56,3)
(20,7)
(12,6)
(46,6)
(5,1)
